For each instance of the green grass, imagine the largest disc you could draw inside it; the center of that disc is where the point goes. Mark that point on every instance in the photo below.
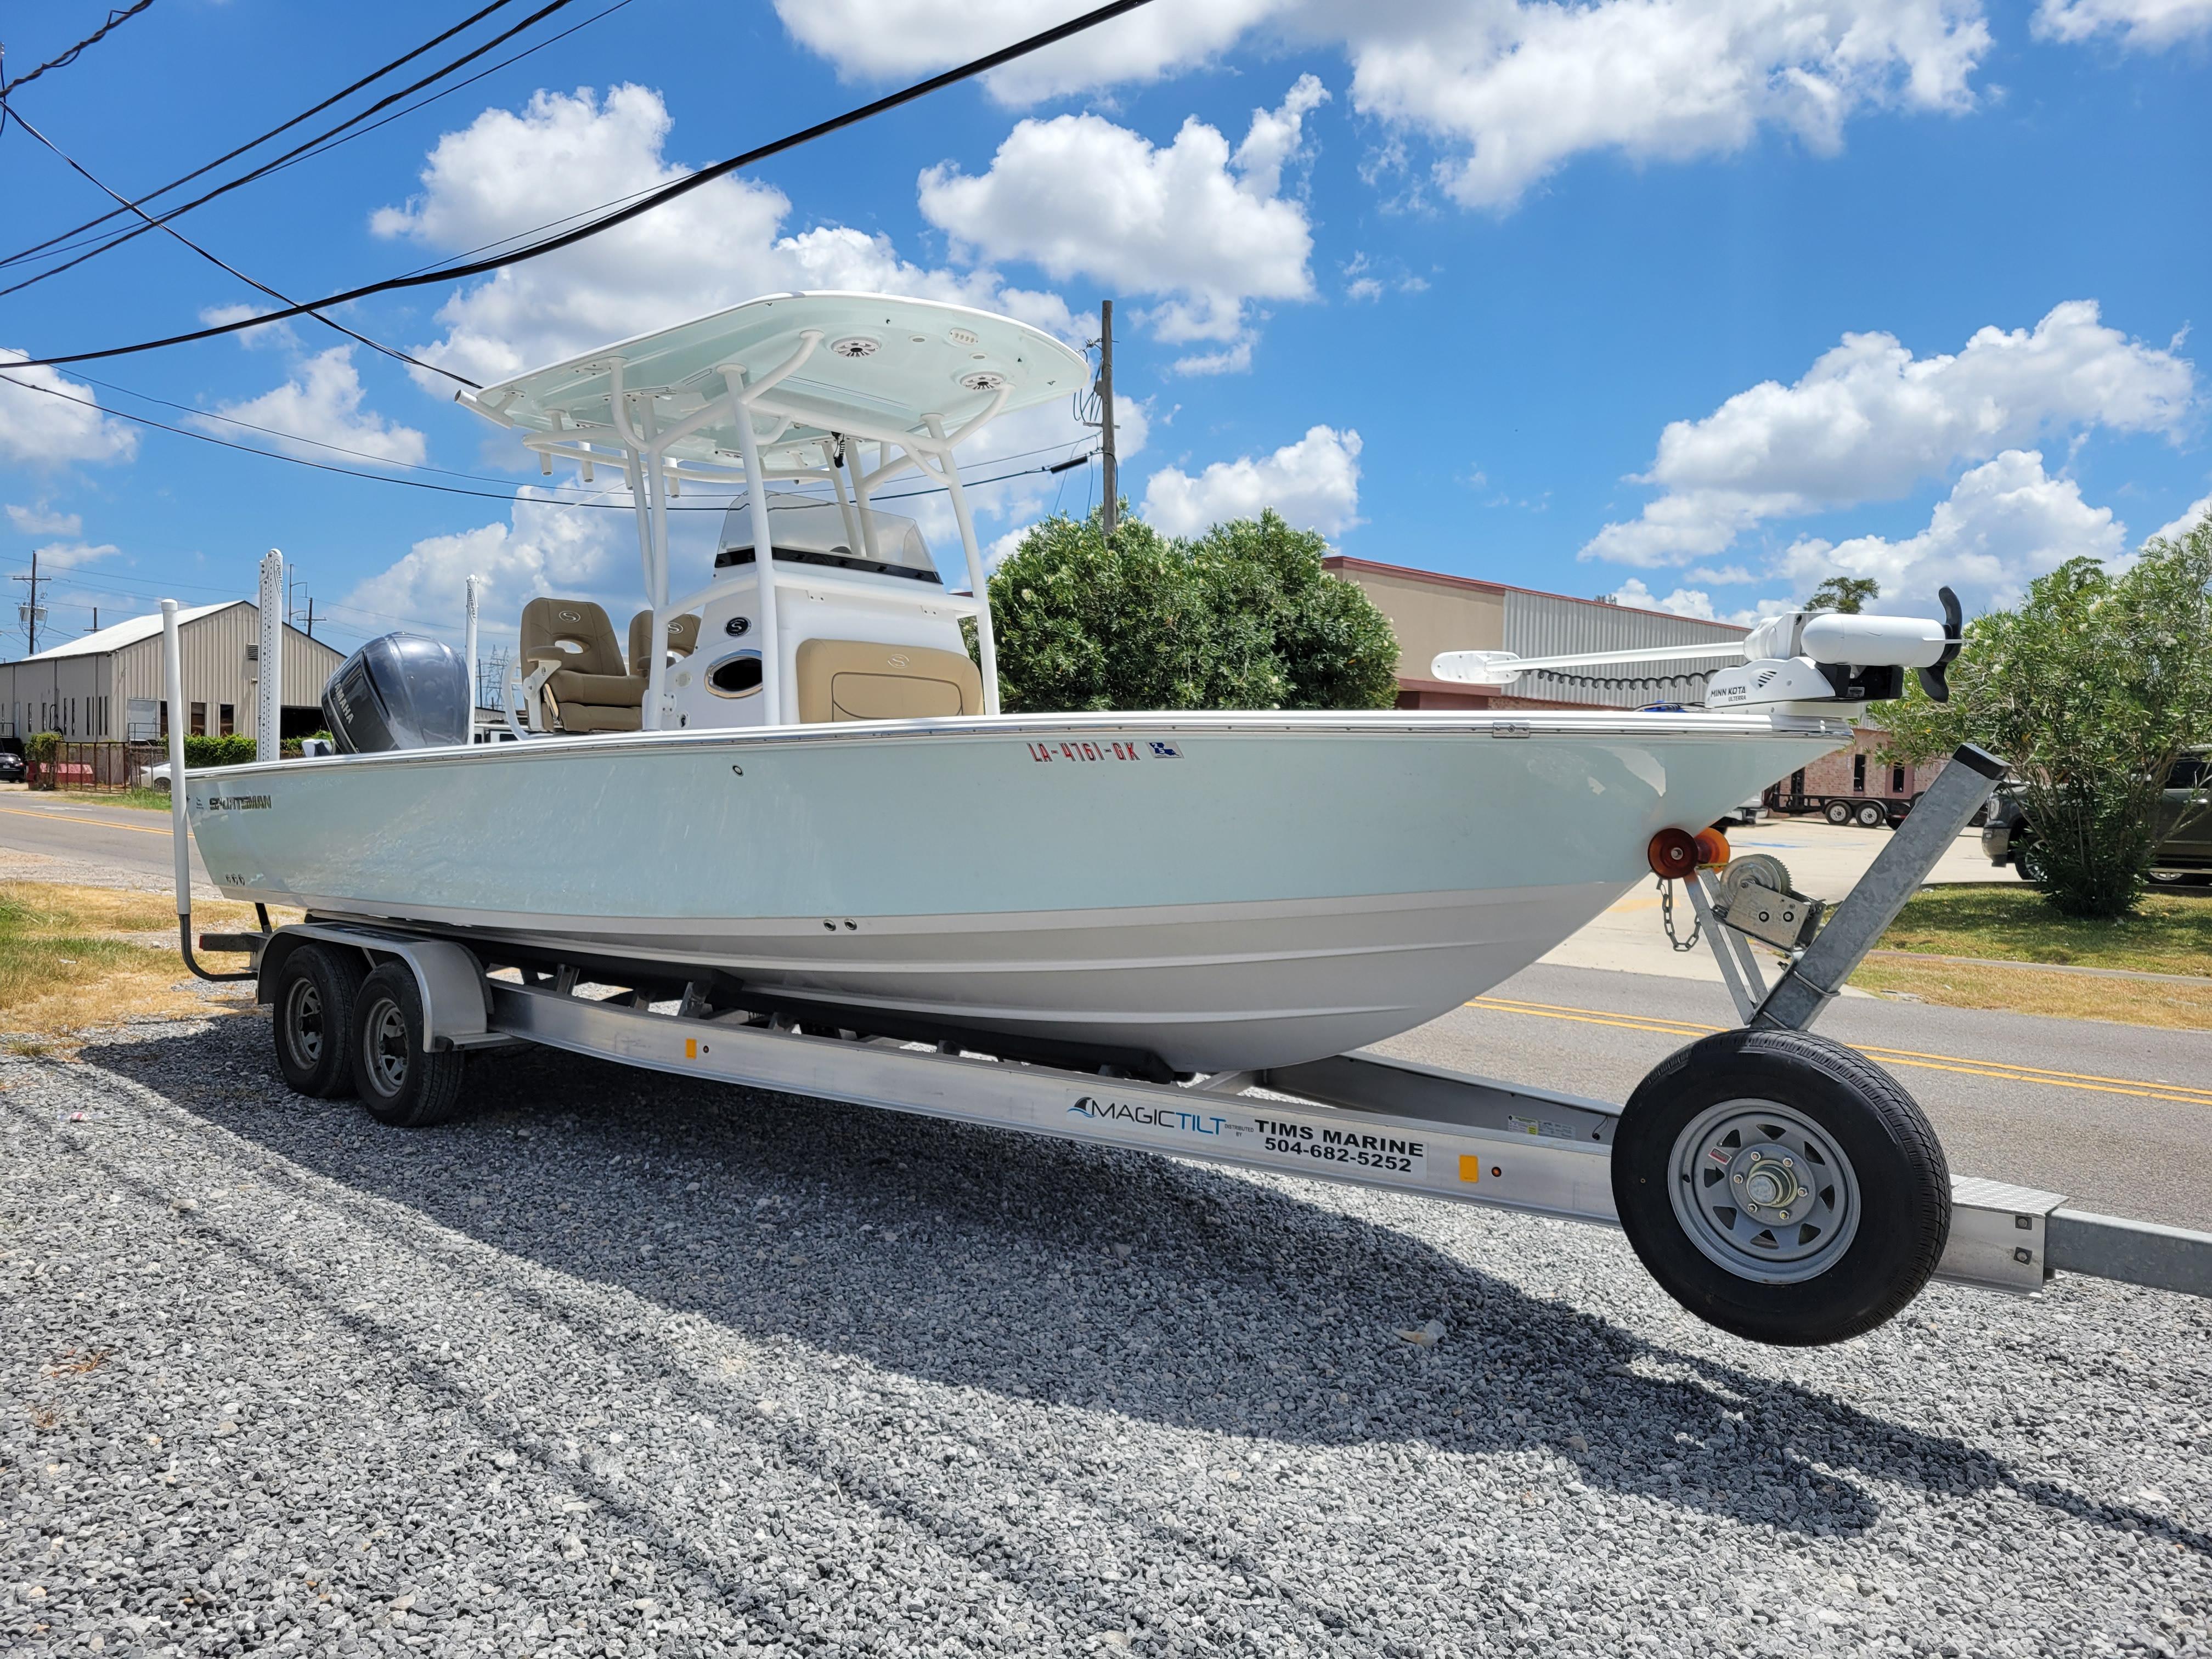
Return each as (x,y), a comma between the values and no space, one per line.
(2170,933)
(145,800)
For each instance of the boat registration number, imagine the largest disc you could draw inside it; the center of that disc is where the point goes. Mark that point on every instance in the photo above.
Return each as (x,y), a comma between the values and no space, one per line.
(1087,751)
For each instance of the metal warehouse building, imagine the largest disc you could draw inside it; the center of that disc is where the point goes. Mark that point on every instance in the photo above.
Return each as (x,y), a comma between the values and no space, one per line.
(106,686)
(1433,613)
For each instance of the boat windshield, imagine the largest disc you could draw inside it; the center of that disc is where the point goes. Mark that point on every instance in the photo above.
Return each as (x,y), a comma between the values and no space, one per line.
(809,530)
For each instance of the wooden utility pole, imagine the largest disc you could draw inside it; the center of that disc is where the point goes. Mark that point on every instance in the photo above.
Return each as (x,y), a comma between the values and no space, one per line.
(1112,502)
(31,610)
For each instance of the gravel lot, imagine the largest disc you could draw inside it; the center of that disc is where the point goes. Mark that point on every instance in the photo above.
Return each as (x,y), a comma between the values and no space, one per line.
(623,1365)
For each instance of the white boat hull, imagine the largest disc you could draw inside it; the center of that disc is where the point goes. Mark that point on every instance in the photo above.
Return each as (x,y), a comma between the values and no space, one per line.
(1220,891)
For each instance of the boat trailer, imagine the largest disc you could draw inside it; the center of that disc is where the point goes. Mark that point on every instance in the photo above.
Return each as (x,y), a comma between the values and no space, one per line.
(1745,1205)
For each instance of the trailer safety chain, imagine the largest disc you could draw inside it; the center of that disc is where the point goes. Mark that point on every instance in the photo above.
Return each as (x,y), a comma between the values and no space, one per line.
(1667,918)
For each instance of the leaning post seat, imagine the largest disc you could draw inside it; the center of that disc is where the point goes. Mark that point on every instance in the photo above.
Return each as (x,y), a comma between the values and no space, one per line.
(683,639)
(589,687)
(853,680)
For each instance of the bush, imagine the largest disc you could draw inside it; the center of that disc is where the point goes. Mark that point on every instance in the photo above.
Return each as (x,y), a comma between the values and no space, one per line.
(1243,617)
(2091,690)
(218,751)
(40,749)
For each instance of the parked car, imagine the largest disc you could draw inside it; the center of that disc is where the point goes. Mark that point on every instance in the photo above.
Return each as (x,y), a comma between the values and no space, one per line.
(11,767)
(2184,827)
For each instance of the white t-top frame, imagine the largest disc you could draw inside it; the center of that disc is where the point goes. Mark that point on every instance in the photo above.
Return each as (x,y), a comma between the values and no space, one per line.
(794,386)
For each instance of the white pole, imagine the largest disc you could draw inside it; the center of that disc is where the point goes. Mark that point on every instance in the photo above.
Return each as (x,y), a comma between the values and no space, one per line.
(173,688)
(764,555)
(269,704)
(987,642)
(469,650)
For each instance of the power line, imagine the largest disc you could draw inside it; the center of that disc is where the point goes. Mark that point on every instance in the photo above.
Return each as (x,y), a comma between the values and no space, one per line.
(115,20)
(307,115)
(266,167)
(85,173)
(660,198)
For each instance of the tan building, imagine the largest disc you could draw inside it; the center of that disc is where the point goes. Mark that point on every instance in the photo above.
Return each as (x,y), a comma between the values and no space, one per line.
(106,686)
(1433,613)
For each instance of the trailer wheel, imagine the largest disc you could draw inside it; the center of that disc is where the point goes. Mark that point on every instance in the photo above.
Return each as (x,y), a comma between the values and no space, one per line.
(1781,1187)
(312,1003)
(1838,812)
(400,1083)
(1871,816)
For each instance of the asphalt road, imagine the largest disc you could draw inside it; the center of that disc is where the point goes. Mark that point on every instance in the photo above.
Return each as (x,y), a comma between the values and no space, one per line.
(123,840)
(2117,1117)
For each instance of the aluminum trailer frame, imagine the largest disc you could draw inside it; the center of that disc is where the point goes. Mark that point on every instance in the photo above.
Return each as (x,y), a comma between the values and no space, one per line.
(1359,1118)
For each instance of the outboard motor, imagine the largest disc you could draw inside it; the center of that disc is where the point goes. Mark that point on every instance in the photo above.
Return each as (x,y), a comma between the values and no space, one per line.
(401,691)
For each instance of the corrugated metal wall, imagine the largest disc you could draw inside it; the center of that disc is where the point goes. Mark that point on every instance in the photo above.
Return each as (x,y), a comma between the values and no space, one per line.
(89,696)
(1550,625)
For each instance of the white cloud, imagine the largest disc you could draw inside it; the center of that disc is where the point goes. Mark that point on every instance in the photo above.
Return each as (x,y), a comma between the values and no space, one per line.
(507,172)
(1695,602)
(1314,484)
(2141,25)
(2191,516)
(1869,421)
(71,555)
(577,552)
(1515,91)
(877,38)
(2005,523)
(37,521)
(321,405)
(1509,91)
(37,429)
(1204,230)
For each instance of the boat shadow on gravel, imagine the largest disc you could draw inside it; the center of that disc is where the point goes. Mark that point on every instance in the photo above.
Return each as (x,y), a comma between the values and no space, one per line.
(1047,1271)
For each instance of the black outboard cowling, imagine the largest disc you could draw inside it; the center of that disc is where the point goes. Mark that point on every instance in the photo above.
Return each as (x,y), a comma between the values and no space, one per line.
(401,691)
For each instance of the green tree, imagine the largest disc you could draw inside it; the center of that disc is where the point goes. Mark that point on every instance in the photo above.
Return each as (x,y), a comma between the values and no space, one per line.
(2091,690)
(1243,617)
(1848,594)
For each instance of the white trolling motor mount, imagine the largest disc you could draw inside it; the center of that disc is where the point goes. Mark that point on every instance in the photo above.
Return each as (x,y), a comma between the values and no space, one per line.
(1802,662)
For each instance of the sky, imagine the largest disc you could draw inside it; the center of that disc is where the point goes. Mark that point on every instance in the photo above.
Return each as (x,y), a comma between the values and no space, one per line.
(1689,302)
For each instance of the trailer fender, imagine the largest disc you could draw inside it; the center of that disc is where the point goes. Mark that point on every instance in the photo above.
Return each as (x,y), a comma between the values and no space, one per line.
(456,1001)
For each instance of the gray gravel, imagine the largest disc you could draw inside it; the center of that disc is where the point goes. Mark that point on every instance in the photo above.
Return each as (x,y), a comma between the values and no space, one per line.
(623,1366)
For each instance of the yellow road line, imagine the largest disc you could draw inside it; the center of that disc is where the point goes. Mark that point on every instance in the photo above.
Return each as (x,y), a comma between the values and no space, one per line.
(98,824)
(2002,1070)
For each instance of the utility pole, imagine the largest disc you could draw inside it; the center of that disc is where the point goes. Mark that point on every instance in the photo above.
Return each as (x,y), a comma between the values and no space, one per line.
(311,616)
(1113,501)
(31,611)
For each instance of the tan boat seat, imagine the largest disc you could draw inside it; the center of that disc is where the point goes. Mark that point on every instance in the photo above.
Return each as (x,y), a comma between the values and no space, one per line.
(591,688)
(683,640)
(851,680)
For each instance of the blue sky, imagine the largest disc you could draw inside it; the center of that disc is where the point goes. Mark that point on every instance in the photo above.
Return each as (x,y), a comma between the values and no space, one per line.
(1691,303)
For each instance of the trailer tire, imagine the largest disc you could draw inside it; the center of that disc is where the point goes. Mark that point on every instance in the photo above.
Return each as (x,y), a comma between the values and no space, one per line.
(1837,812)
(1872,815)
(311,1017)
(402,1086)
(1845,1250)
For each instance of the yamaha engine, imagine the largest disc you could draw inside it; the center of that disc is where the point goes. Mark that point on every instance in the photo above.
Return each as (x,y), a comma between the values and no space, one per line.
(401,691)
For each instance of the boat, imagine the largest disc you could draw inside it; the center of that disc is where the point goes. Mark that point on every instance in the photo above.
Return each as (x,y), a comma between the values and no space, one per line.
(804,802)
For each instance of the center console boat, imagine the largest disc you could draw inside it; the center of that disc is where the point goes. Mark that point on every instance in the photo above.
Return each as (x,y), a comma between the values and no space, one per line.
(801,794)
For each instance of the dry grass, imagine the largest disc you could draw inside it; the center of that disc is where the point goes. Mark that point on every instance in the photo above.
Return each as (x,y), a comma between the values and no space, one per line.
(2059,996)
(76,958)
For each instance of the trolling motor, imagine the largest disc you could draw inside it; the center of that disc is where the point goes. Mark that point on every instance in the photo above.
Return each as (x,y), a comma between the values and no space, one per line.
(1808,662)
